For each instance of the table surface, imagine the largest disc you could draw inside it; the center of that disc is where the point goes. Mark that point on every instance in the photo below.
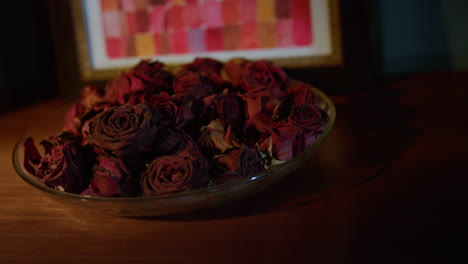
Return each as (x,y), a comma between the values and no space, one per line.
(389,184)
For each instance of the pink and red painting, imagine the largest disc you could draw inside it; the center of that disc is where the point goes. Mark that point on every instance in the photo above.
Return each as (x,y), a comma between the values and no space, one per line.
(118,33)
(149,28)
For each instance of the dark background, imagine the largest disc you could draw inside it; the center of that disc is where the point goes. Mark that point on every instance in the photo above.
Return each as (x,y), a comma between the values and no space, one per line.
(383,40)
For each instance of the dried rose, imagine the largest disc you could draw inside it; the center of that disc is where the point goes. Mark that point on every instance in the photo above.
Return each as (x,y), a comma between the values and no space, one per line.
(154,74)
(244,161)
(215,138)
(249,162)
(266,77)
(234,69)
(73,119)
(282,142)
(204,66)
(262,123)
(311,118)
(91,102)
(170,141)
(123,85)
(61,167)
(170,174)
(230,108)
(301,93)
(165,108)
(124,130)
(108,173)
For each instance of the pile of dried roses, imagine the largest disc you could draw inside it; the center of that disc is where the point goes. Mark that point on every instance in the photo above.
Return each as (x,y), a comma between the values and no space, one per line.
(151,132)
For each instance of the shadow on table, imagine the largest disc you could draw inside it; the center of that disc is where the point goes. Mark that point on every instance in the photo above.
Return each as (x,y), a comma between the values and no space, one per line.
(370,134)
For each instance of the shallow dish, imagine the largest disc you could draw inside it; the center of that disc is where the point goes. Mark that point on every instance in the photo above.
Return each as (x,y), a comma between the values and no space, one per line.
(180,202)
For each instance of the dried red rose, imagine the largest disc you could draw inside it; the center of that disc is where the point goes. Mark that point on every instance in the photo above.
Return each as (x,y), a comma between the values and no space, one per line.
(170,174)
(91,102)
(230,108)
(234,69)
(282,142)
(108,173)
(301,93)
(124,130)
(266,77)
(165,108)
(311,118)
(61,167)
(243,160)
(215,138)
(204,66)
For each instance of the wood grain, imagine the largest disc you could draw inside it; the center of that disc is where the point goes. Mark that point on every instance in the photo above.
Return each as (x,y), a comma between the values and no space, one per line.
(394,167)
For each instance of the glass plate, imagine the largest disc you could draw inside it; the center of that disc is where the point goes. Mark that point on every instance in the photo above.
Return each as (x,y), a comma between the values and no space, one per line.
(180,202)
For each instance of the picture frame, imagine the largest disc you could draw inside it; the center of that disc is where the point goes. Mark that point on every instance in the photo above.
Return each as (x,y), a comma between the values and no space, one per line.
(323,50)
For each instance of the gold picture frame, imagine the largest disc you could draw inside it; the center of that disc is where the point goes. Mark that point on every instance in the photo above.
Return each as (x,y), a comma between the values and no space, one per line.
(90,73)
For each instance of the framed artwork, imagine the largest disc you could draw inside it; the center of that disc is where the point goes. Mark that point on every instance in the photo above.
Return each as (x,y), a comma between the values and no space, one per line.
(113,35)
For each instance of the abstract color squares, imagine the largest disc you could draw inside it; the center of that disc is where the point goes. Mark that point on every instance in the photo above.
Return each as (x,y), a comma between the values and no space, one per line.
(300,9)
(196,40)
(175,17)
(110,5)
(249,36)
(266,38)
(192,15)
(142,21)
(282,8)
(178,42)
(111,20)
(141,4)
(214,39)
(127,5)
(157,20)
(231,37)
(248,12)
(230,12)
(212,14)
(130,47)
(157,2)
(161,43)
(132,23)
(144,45)
(116,48)
(283,33)
(302,33)
(266,11)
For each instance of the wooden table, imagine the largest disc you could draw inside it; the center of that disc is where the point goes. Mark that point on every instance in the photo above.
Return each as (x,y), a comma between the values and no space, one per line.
(388,185)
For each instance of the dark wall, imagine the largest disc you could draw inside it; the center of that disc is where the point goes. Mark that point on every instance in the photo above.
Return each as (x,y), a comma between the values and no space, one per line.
(27,72)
